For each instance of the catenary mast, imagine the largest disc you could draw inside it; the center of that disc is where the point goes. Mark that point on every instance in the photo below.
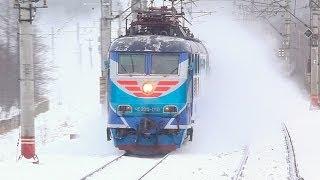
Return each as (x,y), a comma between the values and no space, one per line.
(315,22)
(27,12)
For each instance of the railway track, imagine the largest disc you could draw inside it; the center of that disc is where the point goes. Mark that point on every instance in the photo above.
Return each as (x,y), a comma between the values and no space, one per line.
(291,156)
(103,167)
(122,159)
(241,167)
(153,167)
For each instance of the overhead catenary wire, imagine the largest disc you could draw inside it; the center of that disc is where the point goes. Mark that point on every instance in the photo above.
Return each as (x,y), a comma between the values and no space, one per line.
(280,6)
(293,15)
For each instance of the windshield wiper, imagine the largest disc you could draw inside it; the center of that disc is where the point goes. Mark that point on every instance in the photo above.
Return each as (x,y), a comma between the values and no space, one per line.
(132,64)
(174,70)
(123,68)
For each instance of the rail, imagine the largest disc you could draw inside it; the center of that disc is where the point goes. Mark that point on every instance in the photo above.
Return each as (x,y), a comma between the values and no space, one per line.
(153,167)
(103,167)
(243,162)
(118,158)
(291,155)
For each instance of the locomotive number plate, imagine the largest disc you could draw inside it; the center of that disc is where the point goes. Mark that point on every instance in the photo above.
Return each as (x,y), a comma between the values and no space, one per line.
(148,109)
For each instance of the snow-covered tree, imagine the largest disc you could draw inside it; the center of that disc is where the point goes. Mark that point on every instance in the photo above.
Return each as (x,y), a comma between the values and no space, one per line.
(9,59)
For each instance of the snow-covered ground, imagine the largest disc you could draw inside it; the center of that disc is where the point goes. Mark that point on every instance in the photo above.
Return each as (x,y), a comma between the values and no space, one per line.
(243,102)
(195,166)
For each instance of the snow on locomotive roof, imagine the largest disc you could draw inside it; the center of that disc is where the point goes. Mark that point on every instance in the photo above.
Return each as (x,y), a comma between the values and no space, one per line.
(156,43)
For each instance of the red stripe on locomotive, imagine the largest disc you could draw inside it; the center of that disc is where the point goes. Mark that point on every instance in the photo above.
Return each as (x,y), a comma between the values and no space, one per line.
(133,88)
(147,95)
(124,82)
(168,83)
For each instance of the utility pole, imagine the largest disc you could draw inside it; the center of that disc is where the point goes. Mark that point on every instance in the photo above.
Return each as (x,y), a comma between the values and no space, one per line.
(235,8)
(252,10)
(119,19)
(90,52)
(52,44)
(53,57)
(287,38)
(315,25)
(8,29)
(105,41)
(144,4)
(135,6)
(79,44)
(27,10)
(243,10)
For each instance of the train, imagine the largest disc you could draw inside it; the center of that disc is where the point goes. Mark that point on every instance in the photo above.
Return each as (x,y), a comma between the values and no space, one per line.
(153,82)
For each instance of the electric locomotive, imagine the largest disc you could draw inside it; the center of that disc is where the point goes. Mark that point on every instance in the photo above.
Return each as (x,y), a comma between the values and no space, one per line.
(153,80)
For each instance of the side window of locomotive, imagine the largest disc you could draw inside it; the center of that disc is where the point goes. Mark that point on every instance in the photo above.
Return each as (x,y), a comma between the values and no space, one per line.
(167,63)
(194,64)
(131,64)
(189,60)
(197,63)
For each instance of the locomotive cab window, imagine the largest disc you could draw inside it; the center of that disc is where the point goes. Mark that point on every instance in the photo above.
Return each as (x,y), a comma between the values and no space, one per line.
(131,64)
(165,63)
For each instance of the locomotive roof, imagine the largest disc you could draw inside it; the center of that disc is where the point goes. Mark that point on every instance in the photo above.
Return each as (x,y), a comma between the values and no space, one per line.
(156,43)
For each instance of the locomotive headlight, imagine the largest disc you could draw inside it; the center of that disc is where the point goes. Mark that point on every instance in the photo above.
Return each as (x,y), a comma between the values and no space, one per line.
(170,109)
(124,108)
(147,88)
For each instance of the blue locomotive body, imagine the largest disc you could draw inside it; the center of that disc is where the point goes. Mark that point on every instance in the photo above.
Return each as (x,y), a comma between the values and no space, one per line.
(152,83)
